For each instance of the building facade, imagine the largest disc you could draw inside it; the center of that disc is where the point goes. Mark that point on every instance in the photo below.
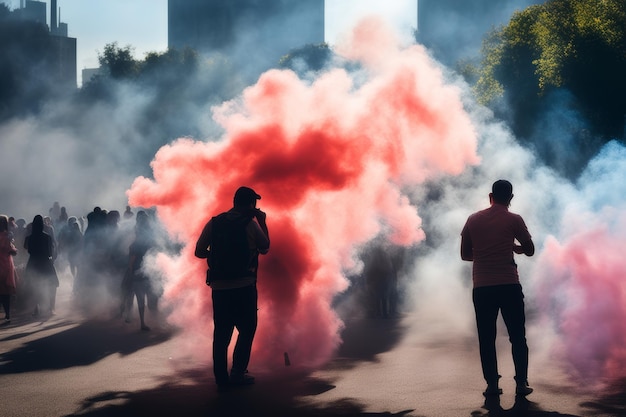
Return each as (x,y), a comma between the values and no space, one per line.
(251,32)
(63,54)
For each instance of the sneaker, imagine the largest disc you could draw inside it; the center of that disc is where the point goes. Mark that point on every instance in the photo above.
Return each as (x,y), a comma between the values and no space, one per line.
(244,379)
(492,390)
(523,389)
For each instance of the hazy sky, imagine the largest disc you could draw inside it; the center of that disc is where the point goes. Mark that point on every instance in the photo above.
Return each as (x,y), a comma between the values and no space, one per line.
(143,23)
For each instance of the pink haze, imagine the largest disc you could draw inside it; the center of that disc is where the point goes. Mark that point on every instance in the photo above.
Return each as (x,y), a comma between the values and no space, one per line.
(331,159)
(583,287)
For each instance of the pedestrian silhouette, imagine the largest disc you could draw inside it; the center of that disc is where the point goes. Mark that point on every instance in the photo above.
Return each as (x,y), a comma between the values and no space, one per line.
(40,269)
(231,242)
(8,281)
(488,239)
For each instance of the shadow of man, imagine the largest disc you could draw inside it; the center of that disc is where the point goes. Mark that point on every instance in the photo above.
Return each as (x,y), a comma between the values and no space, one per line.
(521,408)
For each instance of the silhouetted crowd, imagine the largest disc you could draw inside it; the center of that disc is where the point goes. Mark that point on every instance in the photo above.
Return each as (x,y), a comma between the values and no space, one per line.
(103,252)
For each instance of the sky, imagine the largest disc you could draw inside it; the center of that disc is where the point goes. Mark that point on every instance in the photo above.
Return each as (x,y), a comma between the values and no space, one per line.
(143,23)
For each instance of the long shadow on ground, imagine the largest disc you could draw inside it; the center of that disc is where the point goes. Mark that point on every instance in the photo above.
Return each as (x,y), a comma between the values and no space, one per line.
(613,403)
(610,404)
(193,392)
(84,344)
(522,408)
(197,397)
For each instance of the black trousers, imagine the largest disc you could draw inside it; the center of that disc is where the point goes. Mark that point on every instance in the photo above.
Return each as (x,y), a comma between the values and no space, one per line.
(488,302)
(235,308)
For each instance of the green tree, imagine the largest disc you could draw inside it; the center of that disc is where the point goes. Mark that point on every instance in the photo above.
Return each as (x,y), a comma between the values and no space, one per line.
(173,92)
(312,56)
(168,67)
(577,45)
(118,63)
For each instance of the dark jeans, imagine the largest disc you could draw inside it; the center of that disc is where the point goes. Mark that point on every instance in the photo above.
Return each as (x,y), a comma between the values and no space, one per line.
(508,299)
(236,308)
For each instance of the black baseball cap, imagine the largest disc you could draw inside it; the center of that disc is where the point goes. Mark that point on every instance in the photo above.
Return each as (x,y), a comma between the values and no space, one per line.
(245,196)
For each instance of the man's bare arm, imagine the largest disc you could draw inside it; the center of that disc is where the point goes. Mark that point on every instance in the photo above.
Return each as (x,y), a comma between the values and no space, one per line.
(527,248)
(467,252)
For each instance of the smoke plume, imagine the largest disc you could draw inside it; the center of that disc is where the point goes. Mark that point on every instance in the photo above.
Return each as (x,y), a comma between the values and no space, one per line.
(331,159)
(581,272)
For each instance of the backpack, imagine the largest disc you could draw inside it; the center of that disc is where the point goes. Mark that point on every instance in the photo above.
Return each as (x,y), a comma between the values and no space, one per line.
(230,256)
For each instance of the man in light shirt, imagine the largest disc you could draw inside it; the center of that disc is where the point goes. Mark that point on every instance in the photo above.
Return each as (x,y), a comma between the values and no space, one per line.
(489,239)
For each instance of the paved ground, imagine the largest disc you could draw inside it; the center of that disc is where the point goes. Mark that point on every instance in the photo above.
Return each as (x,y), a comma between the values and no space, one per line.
(65,366)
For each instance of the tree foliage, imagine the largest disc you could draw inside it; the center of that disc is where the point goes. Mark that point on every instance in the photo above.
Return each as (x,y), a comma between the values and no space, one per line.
(312,57)
(170,94)
(162,71)
(184,61)
(118,62)
(578,45)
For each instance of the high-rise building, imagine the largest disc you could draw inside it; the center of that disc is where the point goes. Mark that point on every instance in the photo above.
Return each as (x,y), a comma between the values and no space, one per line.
(252,32)
(64,65)
(63,56)
(33,11)
(64,62)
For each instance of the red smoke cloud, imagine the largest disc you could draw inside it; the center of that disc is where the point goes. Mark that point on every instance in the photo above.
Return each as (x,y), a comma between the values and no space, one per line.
(330,159)
(583,287)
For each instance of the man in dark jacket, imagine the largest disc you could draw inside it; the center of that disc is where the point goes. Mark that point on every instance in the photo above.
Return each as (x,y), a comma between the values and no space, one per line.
(231,242)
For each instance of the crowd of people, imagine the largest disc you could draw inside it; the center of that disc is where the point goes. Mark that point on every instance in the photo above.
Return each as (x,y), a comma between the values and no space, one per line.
(101,252)
(107,264)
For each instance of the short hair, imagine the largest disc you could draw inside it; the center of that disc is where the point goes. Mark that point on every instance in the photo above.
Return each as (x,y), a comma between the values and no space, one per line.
(502,191)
